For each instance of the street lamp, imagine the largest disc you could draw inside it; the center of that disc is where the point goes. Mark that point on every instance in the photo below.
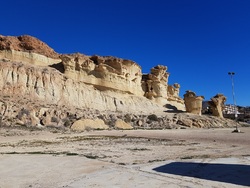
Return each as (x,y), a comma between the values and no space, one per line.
(231,74)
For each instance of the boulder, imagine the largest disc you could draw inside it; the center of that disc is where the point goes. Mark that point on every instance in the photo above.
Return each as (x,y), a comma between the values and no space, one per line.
(89,124)
(120,124)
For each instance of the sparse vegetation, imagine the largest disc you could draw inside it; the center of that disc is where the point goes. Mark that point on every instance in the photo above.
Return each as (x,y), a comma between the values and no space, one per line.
(196,157)
(40,153)
(138,149)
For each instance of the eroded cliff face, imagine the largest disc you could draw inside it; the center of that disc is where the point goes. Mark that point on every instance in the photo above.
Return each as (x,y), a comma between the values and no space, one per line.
(27,57)
(30,68)
(27,49)
(47,84)
(105,73)
(156,88)
(40,87)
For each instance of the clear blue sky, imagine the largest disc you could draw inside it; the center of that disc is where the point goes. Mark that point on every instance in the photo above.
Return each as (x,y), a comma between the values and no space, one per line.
(199,41)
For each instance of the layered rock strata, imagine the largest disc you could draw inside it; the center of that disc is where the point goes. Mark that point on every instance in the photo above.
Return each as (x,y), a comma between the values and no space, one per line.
(27,49)
(95,77)
(47,84)
(104,73)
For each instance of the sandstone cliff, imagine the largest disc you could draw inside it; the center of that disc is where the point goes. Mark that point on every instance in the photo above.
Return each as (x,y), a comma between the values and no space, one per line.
(41,87)
(105,73)
(48,84)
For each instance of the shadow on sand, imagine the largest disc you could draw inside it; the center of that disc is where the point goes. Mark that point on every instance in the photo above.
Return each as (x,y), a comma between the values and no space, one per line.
(227,173)
(172,109)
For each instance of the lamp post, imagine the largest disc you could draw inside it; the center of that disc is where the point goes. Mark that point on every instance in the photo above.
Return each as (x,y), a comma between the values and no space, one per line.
(231,74)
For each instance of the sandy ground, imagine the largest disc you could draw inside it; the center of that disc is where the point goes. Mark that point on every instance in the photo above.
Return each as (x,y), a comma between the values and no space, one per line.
(135,158)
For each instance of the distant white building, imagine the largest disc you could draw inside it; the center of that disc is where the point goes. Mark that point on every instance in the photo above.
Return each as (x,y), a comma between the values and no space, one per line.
(230,109)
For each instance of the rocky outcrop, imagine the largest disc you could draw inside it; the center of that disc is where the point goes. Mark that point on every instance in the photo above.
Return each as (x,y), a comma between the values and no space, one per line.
(217,105)
(27,49)
(41,88)
(26,43)
(105,79)
(155,86)
(193,103)
(47,84)
(104,73)
(173,95)
(110,73)
(27,57)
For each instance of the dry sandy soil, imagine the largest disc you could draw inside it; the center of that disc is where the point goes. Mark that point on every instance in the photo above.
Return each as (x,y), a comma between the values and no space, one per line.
(135,158)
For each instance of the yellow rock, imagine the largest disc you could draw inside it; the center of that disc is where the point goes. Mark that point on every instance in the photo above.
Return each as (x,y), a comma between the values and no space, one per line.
(120,124)
(89,124)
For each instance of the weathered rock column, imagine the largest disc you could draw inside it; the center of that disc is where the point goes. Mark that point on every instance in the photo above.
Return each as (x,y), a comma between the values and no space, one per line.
(193,103)
(156,83)
(217,104)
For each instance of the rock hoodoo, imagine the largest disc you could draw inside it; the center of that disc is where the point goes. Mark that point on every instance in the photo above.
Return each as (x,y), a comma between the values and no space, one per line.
(217,105)
(155,83)
(156,88)
(193,103)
